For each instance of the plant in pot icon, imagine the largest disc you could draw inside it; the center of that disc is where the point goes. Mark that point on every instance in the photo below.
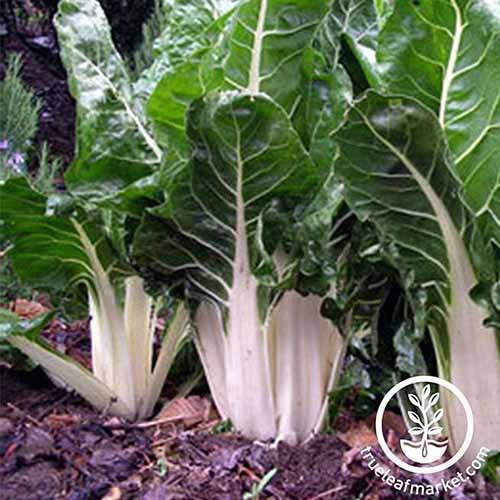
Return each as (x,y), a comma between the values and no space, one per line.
(425,449)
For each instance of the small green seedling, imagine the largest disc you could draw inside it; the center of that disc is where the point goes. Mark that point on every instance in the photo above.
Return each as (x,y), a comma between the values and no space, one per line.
(257,489)
(161,467)
(222,427)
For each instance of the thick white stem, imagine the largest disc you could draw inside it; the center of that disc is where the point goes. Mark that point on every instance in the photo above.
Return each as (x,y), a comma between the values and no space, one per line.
(172,342)
(307,352)
(474,366)
(138,336)
(250,394)
(210,340)
(121,336)
(72,375)
(259,35)
(248,376)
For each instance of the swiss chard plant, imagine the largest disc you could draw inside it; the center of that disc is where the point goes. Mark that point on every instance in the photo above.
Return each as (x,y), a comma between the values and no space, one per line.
(79,240)
(423,166)
(55,246)
(398,172)
(252,216)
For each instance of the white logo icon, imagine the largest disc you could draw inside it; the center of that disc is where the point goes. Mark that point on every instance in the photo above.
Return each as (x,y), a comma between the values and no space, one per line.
(428,444)
(424,449)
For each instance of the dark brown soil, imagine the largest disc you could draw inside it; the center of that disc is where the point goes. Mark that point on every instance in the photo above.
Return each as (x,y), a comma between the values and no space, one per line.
(54,446)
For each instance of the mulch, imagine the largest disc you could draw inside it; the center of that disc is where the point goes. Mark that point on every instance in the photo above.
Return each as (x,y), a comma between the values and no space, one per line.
(54,446)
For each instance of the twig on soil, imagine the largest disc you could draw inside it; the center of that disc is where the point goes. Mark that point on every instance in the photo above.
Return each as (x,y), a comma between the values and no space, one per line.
(48,410)
(24,414)
(328,492)
(160,421)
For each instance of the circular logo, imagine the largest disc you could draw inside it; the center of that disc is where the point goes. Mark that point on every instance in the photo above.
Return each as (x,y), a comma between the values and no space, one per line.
(427,445)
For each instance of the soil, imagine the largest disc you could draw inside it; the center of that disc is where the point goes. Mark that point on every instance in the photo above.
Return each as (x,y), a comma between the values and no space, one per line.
(54,446)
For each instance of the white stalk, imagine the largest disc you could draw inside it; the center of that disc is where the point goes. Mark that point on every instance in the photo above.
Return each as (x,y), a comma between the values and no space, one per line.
(138,336)
(107,331)
(172,341)
(210,342)
(259,35)
(71,374)
(474,358)
(248,376)
(307,353)
(122,338)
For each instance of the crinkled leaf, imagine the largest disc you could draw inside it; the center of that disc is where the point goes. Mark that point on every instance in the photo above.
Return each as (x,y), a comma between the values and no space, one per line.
(189,27)
(244,148)
(397,173)
(445,54)
(354,24)
(267,44)
(114,146)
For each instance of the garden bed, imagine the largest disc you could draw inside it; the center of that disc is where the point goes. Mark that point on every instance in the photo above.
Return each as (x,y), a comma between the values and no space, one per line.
(54,445)
(125,207)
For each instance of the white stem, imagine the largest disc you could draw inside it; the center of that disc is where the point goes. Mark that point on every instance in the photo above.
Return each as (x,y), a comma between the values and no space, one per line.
(452,61)
(120,336)
(72,375)
(254,76)
(210,343)
(307,351)
(248,377)
(138,336)
(172,341)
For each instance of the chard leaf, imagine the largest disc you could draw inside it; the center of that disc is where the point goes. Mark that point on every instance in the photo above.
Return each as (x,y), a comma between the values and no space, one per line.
(445,54)
(169,103)
(281,43)
(114,146)
(396,168)
(190,27)
(232,176)
(266,47)
(47,248)
(352,26)
(12,324)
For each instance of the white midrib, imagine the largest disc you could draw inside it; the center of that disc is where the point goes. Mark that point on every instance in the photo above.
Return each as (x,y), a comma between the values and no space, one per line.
(140,127)
(109,349)
(248,377)
(254,75)
(452,61)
